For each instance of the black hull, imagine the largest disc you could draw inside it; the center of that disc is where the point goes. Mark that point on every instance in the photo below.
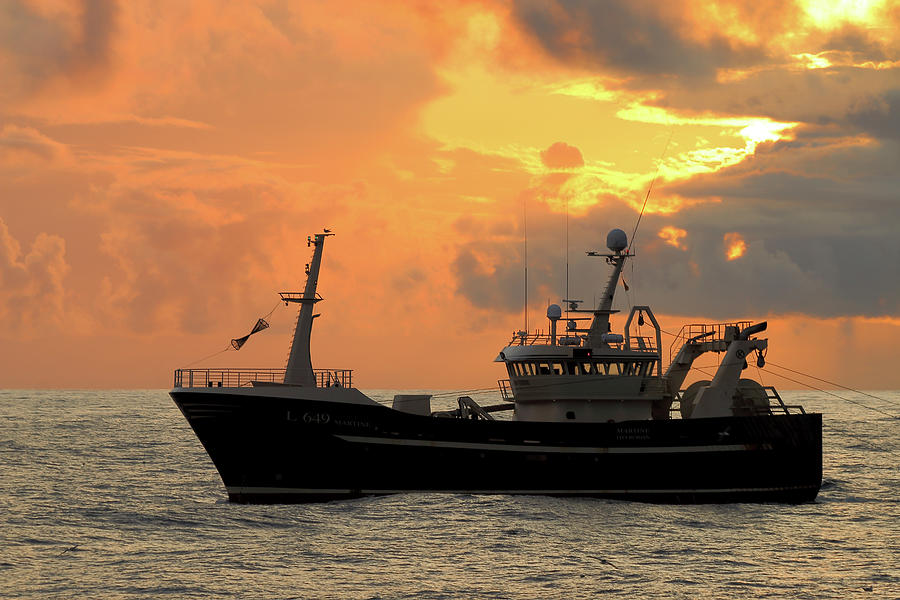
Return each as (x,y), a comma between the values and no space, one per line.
(277,450)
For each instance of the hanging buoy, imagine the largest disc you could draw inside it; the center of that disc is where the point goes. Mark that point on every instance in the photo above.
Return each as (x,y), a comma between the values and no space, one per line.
(640,318)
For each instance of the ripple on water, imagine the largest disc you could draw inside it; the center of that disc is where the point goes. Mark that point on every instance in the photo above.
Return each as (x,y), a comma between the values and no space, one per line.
(108,494)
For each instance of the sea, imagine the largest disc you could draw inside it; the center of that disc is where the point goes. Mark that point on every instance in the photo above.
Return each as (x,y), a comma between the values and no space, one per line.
(108,494)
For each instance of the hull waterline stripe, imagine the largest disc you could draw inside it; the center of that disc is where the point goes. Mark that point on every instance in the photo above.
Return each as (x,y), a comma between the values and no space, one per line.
(538,449)
(536,492)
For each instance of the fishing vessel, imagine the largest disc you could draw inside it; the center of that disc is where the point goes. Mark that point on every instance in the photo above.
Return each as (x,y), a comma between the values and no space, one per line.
(584,411)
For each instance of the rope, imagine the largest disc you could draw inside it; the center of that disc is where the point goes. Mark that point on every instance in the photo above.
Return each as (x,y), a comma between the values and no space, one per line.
(274,308)
(227,348)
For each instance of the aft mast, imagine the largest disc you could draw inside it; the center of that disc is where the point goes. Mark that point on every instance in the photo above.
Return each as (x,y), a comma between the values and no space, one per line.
(617,242)
(299,366)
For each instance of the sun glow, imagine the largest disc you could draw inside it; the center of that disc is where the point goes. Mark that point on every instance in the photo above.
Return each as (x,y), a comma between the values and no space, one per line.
(813,61)
(735,246)
(752,130)
(836,12)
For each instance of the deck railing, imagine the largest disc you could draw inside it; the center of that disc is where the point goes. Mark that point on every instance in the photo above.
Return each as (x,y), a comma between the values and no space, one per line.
(529,339)
(775,405)
(643,343)
(539,338)
(231,378)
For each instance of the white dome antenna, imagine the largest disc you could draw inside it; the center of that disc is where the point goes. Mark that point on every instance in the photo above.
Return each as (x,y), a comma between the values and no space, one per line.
(617,240)
(554,312)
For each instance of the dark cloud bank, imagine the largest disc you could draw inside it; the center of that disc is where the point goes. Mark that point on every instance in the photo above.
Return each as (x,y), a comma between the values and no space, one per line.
(824,244)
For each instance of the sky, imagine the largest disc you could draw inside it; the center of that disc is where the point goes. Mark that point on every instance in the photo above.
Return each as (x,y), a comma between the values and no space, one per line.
(162,163)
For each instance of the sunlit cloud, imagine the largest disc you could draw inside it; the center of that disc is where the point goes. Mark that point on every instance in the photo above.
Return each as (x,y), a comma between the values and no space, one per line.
(591,89)
(834,13)
(813,61)
(673,236)
(753,129)
(735,246)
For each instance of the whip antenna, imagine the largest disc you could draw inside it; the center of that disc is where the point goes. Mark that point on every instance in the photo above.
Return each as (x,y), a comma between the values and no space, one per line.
(525,257)
(650,189)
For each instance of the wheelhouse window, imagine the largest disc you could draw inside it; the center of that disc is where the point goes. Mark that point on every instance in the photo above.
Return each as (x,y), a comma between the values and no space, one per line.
(581,367)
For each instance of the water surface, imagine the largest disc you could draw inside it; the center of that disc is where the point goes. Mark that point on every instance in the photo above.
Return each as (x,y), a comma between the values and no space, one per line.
(108,494)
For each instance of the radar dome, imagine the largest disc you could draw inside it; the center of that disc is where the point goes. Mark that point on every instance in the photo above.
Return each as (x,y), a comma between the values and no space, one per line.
(616,240)
(554,312)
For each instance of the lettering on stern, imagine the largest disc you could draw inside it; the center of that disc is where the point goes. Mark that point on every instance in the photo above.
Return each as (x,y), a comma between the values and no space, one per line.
(632,432)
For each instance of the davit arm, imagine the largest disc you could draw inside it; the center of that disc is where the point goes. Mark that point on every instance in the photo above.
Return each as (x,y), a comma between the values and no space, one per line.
(716,399)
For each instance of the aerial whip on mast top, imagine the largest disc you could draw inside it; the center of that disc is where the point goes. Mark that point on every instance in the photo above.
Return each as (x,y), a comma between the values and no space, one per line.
(649,189)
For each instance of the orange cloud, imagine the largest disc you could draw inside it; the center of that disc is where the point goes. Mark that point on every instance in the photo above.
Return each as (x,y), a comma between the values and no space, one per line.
(32,285)
(25,145)
(562,156)
(673,236)
(735,246)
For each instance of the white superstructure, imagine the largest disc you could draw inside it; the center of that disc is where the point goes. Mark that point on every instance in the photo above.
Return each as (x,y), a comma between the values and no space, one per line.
(591,374)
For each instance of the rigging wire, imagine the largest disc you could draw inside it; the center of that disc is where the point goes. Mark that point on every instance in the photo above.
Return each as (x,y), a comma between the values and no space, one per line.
(274,308)
(886,400)
(812,387)
(769,363)
(229,346)
(872,408)
(832,425)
